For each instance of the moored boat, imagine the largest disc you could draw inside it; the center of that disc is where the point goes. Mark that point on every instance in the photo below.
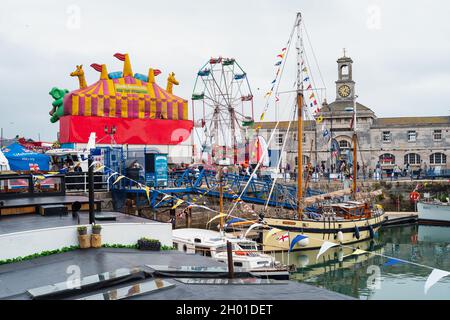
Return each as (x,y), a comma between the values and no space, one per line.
(245,252)
(341,223)
(434,212)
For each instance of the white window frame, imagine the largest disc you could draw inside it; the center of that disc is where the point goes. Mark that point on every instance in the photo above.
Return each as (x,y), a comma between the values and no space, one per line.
(385,163)
(442,158)
(279,138)
(385,134)
(412,135)
(437,132)
(346,147)
(409,156)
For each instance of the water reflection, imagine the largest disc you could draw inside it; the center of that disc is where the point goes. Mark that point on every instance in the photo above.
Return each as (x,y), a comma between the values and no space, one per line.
(366,276)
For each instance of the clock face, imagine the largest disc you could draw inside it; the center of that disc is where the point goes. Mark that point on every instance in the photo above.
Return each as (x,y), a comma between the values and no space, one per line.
(344,91)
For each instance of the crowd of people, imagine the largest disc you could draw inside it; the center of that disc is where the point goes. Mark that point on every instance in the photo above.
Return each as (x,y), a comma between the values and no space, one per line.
(65,166)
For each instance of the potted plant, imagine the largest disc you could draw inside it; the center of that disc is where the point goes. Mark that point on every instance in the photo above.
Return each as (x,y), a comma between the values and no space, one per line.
(96,238)
(83,237)
(149,244)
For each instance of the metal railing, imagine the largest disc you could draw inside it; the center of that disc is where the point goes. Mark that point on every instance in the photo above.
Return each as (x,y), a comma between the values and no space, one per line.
(79,181)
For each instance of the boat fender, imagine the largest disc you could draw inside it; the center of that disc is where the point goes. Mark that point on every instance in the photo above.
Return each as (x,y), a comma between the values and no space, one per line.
(357,236)
(340,255)
(340,236)
(304,242)
(371,232)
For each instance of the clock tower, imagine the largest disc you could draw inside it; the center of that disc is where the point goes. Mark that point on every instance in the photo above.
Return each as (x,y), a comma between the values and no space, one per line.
(345,86)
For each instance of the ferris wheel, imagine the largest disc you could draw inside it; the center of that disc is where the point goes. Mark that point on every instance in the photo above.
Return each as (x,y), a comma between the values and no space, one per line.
(226,100)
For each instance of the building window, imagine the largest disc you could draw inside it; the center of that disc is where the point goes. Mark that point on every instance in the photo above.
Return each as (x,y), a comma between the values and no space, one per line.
(437,135)
(387,158)
(412,136)
(279,139)
(386,136)
(305,159)
(344,144)
(296,161)
(304,137)
(438,158)
(412,158)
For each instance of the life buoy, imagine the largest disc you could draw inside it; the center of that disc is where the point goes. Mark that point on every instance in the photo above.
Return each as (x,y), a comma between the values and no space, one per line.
(414,196)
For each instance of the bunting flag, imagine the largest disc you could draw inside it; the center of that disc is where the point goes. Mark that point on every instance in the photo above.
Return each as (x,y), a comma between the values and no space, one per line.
(278,63)
(434,277)
(272,232)
(325,246)
(277,98)
(311,96)
(357,252)
(306,79)
(177,204)
(391,262)
(268,93)
(284,49)
(255,225)
(94,163)
(325,133)
(297,238)
(281,55)
(309,87)
(283,237)
(217,217)
(319,119)
(305,69)
(147,192)
(164,198)
(274,81)
(99,168)
(262,116)
(120,177)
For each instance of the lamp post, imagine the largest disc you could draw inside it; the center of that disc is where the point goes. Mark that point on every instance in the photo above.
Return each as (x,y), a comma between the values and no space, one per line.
(91,188)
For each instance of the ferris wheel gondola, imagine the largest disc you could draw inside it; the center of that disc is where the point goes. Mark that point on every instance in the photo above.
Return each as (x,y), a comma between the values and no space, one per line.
(223,89)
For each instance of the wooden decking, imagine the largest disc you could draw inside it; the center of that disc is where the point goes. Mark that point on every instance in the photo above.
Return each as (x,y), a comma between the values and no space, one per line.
(396,218)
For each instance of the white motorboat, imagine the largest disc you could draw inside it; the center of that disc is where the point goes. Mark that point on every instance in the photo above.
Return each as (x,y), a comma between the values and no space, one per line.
(213,244)
(434,212)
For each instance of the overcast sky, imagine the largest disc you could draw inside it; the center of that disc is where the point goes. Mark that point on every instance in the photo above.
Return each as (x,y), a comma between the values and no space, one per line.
(401,49)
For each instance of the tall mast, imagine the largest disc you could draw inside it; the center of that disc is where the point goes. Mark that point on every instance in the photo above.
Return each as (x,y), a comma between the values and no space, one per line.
(355,141)
(299,117)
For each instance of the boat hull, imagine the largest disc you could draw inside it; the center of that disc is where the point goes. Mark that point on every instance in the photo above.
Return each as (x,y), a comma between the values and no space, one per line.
(318,232)
(431,213)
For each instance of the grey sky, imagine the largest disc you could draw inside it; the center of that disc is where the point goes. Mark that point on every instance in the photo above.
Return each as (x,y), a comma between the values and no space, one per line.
(401,65)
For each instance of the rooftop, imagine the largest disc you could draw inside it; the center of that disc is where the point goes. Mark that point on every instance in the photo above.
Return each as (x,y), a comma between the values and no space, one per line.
(17,278)
(412,121)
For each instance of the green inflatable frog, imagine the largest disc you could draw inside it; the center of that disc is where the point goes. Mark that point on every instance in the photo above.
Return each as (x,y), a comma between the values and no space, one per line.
(58,107)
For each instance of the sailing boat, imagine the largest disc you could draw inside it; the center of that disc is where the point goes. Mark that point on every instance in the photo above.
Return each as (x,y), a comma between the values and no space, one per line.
(337,222)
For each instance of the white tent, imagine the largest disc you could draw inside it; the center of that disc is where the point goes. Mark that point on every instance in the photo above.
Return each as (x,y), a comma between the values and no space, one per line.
(4,164)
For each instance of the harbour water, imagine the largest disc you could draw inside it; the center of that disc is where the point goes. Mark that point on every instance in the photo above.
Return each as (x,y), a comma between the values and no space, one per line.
(373,277)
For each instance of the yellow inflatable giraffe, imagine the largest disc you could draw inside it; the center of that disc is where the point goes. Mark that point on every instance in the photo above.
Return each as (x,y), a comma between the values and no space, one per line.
(170,82)
(79,72)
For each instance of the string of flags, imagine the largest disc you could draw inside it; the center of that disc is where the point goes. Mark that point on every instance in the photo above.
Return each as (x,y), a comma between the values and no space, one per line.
(269,93)
(299,239)
(432,278)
